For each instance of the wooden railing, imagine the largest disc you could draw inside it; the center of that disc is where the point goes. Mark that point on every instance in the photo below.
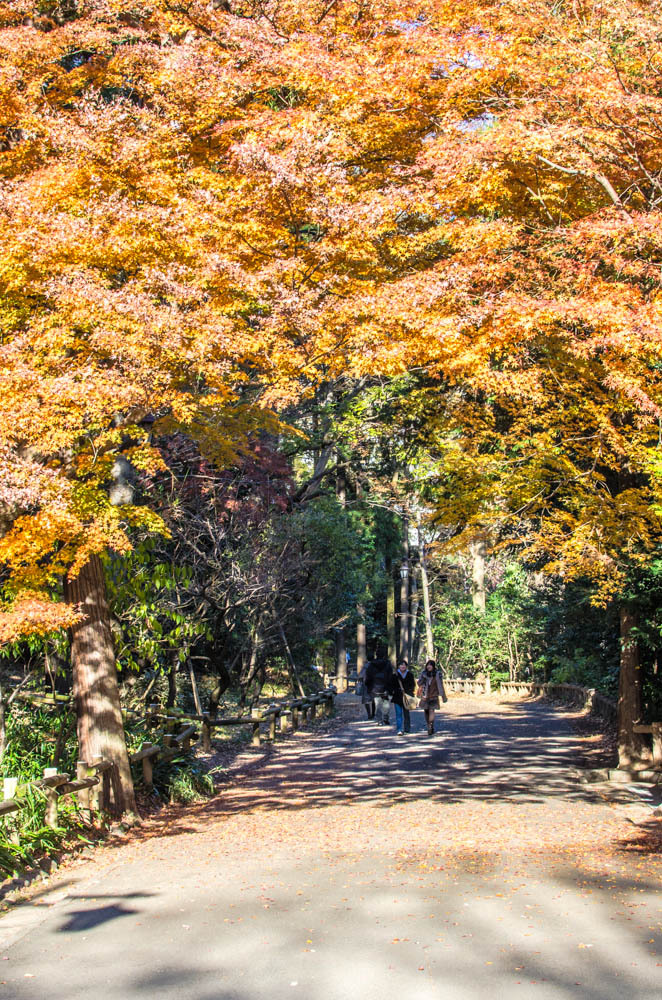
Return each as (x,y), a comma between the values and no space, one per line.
(91,787)
(569,694)
(283,716)
(173,745)
(467,685)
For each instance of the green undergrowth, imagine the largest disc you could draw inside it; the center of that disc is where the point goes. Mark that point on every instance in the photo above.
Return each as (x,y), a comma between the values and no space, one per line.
(183,779)
(37,738)
(41,737)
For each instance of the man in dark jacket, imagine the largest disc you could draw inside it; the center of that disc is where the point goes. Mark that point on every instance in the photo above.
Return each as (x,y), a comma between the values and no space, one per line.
(380,684)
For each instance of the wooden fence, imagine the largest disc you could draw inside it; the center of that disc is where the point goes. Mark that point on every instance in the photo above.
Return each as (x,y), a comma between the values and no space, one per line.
(174,744)
(91,788)
(569,694)
(283,717)
(91,785)
(463,685)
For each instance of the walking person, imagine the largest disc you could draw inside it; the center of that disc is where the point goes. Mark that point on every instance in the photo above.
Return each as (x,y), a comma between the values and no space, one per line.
(430,691)
(403,689)
(379,683)
(366,697)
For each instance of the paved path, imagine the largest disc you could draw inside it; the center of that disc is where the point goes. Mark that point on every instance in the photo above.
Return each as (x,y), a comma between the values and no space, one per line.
(356,863)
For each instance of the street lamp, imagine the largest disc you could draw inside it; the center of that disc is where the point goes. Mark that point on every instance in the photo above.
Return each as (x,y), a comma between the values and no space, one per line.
(404,571)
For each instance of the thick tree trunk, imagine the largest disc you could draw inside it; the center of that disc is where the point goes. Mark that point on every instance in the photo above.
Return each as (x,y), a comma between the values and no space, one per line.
(478,555)
(361,655)
(390,614)
(629,691)
(95,686)
(341,660)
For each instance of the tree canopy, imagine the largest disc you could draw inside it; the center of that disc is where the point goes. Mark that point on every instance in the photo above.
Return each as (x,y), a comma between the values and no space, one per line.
(424,238)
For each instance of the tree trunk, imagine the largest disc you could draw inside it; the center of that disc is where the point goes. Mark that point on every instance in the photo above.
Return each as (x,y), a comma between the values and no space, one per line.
(249,669)
(3,725)
(413,626)
(511,661)
(390,613)
(404,593)
(341,660)
(478,555)
(341,481)
(629,691)
(361,656)
(425,587)
(294,673)
(194,688)
(223,681)
(95,686)
(172,681)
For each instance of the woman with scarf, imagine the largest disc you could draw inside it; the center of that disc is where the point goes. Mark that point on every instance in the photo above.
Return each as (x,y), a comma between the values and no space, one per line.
(430,691)
(404,686)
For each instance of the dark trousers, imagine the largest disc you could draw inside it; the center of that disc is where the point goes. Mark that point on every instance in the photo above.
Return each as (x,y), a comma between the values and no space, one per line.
(369,709)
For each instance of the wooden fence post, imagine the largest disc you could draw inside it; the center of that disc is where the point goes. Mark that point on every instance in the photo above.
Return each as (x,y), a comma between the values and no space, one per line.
(51,798)
(148,768)
(657,744)
(83,794)
(96,791)
(9,786)
(169,732)
(206,734)
(255,738)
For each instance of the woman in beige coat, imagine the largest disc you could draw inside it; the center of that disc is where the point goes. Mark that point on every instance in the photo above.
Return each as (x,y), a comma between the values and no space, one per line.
(431,691)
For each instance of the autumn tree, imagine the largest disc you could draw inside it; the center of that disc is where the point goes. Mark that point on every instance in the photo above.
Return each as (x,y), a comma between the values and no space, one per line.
(546,163)
(210,209)
(186,207)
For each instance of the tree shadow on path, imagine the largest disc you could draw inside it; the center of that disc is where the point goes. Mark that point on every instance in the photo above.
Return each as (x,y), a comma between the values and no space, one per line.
(525,753)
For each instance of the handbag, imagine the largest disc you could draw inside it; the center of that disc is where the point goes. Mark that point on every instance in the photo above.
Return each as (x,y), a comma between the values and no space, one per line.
(408,700)
(358,690)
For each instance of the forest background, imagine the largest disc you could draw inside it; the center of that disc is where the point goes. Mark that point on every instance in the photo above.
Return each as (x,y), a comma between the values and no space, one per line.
(326,326)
